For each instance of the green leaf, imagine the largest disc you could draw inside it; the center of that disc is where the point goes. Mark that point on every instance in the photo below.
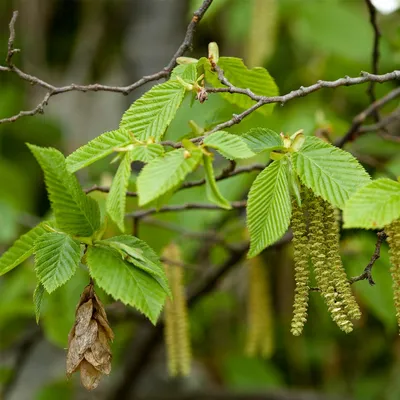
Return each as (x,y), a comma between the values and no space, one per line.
(116,199)
(147,152)
(75,212)
(150,115)
(142,256)
(212,191)
(262,139)
(329,172)
(97,149)
(187,72)
(258,80)
(269,207)
(57,256)
(165,173)
(21,249)
(124,282)
(373,206)
(37,300)
(230,146)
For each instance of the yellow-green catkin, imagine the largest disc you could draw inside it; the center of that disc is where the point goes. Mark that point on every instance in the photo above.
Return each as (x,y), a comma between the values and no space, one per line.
(323,271)
(260,338)
(301,269)
(393,233)
(346,298)
(177,337)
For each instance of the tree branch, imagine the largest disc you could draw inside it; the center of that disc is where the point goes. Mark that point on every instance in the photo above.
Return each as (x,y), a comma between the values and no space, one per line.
(303,91)
(367,274)
(54,90)
(381,125)
(182,207)
(352,133)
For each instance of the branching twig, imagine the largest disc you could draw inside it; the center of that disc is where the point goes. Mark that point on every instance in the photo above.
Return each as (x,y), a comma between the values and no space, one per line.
(303,91)
(360,118)
(10,50)
(182,207)
(381,125)
(54,90)
(367,274)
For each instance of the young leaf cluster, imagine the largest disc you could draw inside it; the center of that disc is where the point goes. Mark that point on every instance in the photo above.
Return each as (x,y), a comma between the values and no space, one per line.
(331,173)
(124,266)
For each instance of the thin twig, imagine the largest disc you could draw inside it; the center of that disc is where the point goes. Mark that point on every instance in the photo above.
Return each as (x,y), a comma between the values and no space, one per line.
(225,174)
(375,52)
(106,189)
(382,124)
(54,90)
(352,133)
(182,207)
(367,274)
(10,50)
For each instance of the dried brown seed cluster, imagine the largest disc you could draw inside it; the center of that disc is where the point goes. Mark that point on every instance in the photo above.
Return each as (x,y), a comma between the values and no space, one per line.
(322,244)
(260,323)
(89,340)
(177,336)
(393,233)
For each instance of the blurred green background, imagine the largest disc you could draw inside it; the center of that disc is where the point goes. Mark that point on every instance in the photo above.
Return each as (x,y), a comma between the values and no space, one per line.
(117,42)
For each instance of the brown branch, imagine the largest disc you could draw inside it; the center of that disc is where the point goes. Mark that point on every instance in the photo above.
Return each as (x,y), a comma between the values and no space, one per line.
(367,274)
(352,133)
(182,207)
(10,49)
(303,91)
(306,90)
(382,124)
(375,51)
(54,90)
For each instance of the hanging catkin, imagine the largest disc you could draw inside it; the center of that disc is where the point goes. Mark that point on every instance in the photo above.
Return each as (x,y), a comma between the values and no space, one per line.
(259,338)
(341,282)
(301,256)
(176,317)
(323,271)
(393,233)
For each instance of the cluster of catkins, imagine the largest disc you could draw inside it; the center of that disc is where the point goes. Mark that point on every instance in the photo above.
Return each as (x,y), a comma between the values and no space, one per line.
(316,238)
(393,238)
